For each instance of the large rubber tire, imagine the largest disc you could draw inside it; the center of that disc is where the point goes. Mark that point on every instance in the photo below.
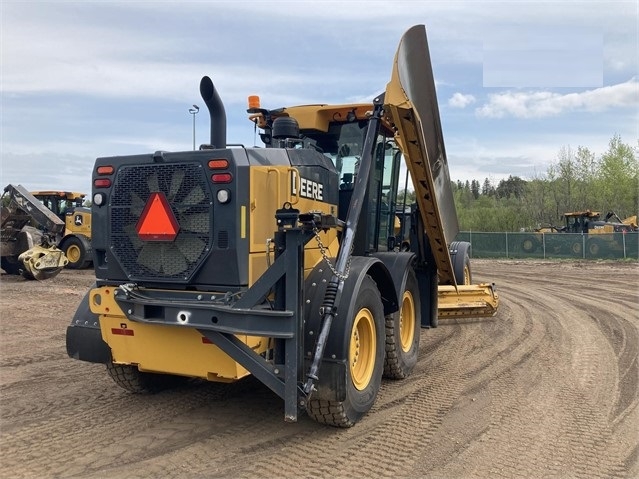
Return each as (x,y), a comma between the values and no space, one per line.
(461,262)
(529,244)
(76,252)
(402,332)
(594,248)
(130,378)
(365,362)
(577,248)
(11,267)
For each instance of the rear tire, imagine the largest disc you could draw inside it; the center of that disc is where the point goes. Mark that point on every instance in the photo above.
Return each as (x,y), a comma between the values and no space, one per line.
(365,362)
(133,380)
(11,267)
(529,244)
(402,332)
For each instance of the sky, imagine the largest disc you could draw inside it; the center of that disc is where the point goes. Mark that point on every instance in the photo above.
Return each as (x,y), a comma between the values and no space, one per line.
(516,81)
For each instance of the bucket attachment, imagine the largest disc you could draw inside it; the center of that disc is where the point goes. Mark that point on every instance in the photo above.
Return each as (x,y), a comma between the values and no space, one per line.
(42,262)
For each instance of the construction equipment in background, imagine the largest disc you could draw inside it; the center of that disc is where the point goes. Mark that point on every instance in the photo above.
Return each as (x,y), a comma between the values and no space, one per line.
(628,224)
(283,261)
(29,236)
(590,234)
(600,233)
(76,239)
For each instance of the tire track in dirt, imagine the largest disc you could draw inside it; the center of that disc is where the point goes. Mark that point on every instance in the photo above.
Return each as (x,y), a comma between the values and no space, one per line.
(321,451)
(543,389)
(574,417)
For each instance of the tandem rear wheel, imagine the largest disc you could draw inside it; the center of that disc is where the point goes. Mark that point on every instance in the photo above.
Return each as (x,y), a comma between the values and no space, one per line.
(402,332)
(365,357)
(133,380)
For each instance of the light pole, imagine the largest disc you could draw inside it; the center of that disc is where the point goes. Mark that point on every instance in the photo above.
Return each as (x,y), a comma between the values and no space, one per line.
(194,111)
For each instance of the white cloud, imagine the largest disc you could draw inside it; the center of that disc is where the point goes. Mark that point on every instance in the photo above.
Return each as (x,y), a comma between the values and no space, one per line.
(542,104)
(459,100)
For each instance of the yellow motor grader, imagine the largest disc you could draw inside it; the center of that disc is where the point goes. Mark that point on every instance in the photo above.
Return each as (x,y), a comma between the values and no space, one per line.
(281,261)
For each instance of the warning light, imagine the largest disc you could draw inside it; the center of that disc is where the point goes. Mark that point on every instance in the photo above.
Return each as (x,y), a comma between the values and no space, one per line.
(253,102)
(157,222)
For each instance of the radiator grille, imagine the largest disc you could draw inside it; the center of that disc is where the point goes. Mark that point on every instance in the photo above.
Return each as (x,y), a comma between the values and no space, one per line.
(186,190)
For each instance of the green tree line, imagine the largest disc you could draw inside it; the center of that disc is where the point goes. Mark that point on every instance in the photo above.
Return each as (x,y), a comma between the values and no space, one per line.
(577,180)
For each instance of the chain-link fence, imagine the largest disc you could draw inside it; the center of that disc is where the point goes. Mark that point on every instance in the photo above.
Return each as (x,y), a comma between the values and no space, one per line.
(552,245)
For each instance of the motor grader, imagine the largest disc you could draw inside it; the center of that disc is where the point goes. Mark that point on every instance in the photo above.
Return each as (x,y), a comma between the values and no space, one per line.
(29,236)
(588,234)
(281,261)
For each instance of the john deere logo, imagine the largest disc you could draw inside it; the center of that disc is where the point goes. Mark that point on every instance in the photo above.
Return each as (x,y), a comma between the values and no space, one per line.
(77,220)
(307,188)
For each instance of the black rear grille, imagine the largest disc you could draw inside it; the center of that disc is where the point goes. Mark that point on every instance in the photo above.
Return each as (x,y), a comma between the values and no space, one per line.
(188,195)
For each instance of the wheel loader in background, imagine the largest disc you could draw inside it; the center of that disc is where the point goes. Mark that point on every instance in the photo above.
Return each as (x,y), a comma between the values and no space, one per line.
(76,239)
(29,236)
(281,261)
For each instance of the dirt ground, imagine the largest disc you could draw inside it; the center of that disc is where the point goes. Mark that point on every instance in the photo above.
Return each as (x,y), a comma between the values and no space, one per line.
(547,388)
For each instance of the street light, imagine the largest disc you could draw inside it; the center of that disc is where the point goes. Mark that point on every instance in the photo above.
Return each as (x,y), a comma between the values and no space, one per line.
(194,111)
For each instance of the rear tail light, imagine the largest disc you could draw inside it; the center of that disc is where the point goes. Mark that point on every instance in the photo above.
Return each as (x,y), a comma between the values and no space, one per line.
(105,170)
(218,164)
(222,177)
(102,183)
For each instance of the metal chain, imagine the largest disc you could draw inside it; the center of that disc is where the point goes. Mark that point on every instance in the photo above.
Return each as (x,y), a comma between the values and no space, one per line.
(322,248)
(268,252)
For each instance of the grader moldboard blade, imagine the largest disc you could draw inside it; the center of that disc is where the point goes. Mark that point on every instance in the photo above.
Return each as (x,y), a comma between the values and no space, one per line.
(467,301)
(411,103)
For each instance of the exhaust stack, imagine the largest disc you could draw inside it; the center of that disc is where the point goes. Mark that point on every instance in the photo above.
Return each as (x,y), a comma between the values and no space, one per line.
(216,112)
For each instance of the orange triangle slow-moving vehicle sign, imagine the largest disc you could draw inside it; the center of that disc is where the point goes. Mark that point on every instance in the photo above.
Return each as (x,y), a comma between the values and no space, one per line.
(157,222)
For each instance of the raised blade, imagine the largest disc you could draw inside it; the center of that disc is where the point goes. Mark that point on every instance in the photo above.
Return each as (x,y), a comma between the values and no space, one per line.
(411,103)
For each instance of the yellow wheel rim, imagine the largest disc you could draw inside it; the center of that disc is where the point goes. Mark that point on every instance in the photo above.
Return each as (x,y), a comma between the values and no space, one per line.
(73,253)
(407,321)
(466,275)
(362,349)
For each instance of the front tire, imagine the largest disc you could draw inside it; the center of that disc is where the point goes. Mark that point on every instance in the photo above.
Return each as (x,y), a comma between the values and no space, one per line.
(365,357)
(577,248)
(76,250)
(595,248)
(402,332)
(461,262)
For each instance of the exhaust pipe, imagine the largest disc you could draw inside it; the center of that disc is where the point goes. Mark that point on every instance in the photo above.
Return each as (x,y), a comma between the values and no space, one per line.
(216,112)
